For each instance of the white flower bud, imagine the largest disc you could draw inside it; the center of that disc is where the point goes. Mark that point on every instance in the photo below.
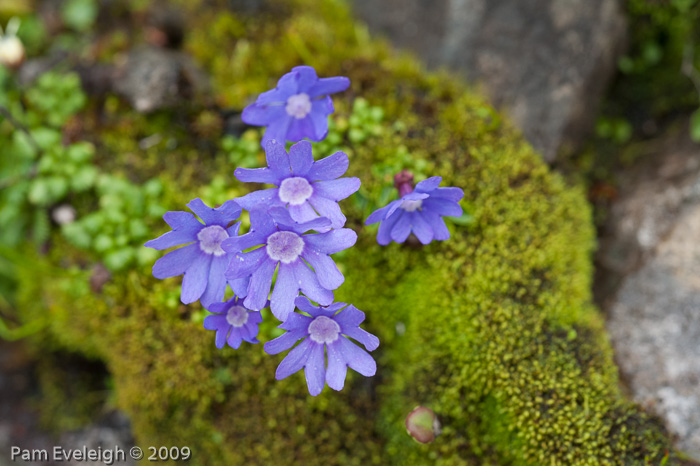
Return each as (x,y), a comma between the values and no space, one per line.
(11,48)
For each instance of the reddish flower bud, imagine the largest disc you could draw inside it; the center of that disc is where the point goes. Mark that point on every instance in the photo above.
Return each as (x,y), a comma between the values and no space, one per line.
(422,424)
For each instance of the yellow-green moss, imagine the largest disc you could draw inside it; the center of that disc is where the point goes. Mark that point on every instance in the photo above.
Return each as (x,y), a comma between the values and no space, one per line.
(493,329)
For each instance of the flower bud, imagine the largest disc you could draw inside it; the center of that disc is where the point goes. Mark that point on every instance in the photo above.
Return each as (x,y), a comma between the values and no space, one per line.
(423,425)
(11,51)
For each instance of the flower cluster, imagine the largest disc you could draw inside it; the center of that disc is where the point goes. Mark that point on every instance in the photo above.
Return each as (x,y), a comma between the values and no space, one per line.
(284,261)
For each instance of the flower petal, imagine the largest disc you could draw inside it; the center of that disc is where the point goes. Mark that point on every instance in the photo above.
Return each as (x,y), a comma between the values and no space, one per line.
(255,175)
(215,322)
(220,216)
(195,280)
(421,228)
(310,286)
(327,272)
(349,320)
(305,77)
(285,291)
(318,118)
(216,286)
(358,359)
(277,159)
(259,114)
(402,228)
(300,128)
(221,334)
(336,190)
(325,86)
(328,209)
(176,262)
(172,238)
(384,233)
(337,367)
(239,286)
(440,231)
(428,185)
(302,213)
(243,264)
(297,328)
(259,287)
(332,241)
(380,214)
(304,305)
(180,220)
(451,194)
(315,369)
(260,220)
(263,196)
(240,243)
(329,168)
(443,207)
(301,158)
(277,131)
(295,360)
(235,338)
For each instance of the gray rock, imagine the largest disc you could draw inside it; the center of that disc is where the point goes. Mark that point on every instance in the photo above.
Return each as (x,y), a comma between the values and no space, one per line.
(154,78)
(546,61)
(654,319)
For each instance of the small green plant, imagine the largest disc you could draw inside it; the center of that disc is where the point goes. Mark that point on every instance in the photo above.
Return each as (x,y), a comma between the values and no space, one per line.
(117,230)
(37,169)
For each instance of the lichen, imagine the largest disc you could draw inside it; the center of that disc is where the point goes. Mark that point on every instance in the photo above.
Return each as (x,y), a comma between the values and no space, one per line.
(494,329)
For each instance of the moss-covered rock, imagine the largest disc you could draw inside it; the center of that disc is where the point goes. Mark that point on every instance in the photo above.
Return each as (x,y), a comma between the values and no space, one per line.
(493,329)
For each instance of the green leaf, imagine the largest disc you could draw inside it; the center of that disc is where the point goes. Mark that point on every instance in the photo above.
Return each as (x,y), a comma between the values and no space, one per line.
(79,14)
(39,192)
(76,234)
(46,138)
(119,259)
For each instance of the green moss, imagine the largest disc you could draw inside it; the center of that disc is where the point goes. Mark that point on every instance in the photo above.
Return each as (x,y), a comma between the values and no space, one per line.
(493,329)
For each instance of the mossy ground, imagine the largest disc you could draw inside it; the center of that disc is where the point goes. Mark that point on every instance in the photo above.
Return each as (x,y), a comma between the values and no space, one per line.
(493,329)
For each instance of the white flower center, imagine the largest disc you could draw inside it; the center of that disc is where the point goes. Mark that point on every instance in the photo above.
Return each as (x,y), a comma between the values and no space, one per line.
(298,105)
(410,206)
(237,316)
(295,190)
(210,239)
(284,246)
(324,330)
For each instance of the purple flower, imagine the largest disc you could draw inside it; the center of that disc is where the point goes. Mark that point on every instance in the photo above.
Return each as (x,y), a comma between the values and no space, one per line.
(419,211)
(285,245)
(309,189)
(324,330)
(297,108)
(233,323)
(204,262)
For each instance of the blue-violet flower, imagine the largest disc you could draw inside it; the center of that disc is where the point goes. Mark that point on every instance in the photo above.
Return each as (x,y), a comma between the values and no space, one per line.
(284,243)
(204,262)
(418,211)
(233,323)
(325,330)
(297,108)
(309,189)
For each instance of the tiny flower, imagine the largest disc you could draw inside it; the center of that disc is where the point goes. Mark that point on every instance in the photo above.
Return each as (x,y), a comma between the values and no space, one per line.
(204,262)
(297,108)
(324,331)
(308,189)
(284,244)
(233,323)
(419,211)
(11,48)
